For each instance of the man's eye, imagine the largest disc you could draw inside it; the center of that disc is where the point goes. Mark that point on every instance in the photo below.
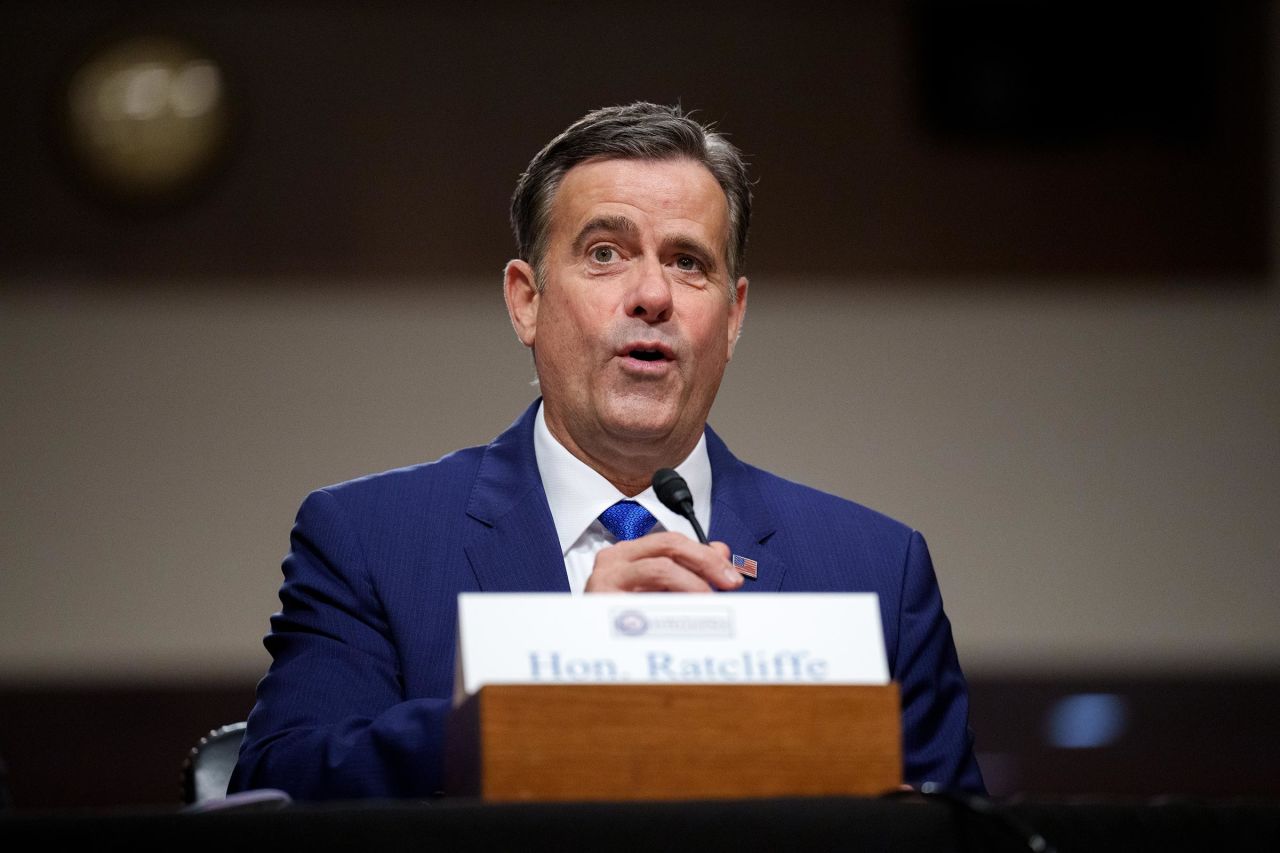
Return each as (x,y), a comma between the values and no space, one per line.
(603,254)
(686,263)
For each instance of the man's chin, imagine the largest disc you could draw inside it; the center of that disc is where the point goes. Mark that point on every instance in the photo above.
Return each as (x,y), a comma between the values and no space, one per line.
(642,421)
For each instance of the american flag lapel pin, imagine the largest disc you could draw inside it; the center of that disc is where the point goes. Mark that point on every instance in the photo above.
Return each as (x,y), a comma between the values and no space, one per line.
(745,565)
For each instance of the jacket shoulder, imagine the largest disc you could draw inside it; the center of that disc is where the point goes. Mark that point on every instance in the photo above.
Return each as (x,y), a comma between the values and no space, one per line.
(411,484)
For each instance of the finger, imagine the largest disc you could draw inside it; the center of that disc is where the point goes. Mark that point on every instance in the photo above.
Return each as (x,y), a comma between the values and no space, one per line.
(659,574)
(648,574)
(711,563)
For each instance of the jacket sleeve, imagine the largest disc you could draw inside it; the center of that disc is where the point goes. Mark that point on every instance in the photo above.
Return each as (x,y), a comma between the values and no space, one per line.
(937,743)
(331,719)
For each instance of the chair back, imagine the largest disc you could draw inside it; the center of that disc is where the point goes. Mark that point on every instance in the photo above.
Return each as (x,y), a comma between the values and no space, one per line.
(207,769)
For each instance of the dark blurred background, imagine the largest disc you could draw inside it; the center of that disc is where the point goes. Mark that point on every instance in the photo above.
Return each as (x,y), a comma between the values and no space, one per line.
(1012,281)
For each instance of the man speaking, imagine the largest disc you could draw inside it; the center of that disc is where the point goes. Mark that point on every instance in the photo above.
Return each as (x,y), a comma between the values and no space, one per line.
(631,228)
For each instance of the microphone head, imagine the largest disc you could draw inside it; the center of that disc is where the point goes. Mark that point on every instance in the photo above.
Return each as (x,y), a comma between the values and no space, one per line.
(673,491)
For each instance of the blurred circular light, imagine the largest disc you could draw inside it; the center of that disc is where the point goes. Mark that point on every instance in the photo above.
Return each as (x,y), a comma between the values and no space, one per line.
(146,117)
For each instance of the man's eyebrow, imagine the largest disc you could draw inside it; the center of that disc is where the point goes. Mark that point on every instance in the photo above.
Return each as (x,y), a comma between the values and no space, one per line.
(615,224)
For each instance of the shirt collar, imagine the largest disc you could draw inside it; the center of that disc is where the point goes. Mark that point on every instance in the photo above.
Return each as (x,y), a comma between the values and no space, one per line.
(577,493)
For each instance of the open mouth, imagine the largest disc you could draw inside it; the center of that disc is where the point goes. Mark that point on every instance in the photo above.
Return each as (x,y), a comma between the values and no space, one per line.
(647,355)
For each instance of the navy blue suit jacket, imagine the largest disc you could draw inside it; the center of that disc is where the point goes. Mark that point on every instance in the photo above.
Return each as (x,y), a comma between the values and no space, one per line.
(355,700)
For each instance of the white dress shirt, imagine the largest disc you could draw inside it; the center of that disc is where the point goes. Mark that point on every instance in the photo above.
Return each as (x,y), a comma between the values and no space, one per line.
(577,494)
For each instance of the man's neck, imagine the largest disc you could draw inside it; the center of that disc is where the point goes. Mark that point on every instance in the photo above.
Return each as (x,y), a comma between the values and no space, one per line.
(628,465)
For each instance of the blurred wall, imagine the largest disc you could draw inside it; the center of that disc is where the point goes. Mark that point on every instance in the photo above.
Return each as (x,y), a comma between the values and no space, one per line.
(1096,472)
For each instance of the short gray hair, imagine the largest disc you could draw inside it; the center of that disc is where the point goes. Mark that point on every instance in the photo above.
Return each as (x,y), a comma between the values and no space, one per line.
(640,131)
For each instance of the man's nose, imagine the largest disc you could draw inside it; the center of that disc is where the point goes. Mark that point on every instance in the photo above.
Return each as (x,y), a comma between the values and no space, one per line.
(650,295)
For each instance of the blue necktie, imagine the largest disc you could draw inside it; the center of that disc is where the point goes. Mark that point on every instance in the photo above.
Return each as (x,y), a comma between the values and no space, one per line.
(627,520)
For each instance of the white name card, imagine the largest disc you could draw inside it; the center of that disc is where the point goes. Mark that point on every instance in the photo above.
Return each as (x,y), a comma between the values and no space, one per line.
(663,638)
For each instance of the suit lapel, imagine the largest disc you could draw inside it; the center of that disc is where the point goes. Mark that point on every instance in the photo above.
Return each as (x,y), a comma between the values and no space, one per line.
(512,544)
(740,518)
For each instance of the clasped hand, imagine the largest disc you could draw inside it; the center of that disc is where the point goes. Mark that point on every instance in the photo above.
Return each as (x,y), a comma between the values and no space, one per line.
(663,562)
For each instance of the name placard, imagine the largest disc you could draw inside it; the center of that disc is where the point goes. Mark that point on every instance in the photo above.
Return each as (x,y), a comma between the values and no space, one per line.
(663,638)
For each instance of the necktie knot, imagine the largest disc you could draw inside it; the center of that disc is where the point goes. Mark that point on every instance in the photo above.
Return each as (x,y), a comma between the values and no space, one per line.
(627,520)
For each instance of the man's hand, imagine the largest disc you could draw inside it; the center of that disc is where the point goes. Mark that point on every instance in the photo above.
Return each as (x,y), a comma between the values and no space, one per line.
(663,562)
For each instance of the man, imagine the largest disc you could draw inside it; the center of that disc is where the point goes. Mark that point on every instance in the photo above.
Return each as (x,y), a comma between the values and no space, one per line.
(631,228)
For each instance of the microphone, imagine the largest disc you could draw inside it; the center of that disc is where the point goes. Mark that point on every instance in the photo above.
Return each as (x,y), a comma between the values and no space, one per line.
(674,493)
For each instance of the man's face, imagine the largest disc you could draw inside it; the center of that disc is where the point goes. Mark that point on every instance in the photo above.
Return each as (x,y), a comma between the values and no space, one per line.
(633,325)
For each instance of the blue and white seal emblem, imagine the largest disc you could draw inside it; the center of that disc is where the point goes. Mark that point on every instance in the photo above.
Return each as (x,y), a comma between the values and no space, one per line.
(631,622)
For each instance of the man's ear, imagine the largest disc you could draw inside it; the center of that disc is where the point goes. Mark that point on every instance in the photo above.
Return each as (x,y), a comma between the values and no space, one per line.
(519,288)
(737,314)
